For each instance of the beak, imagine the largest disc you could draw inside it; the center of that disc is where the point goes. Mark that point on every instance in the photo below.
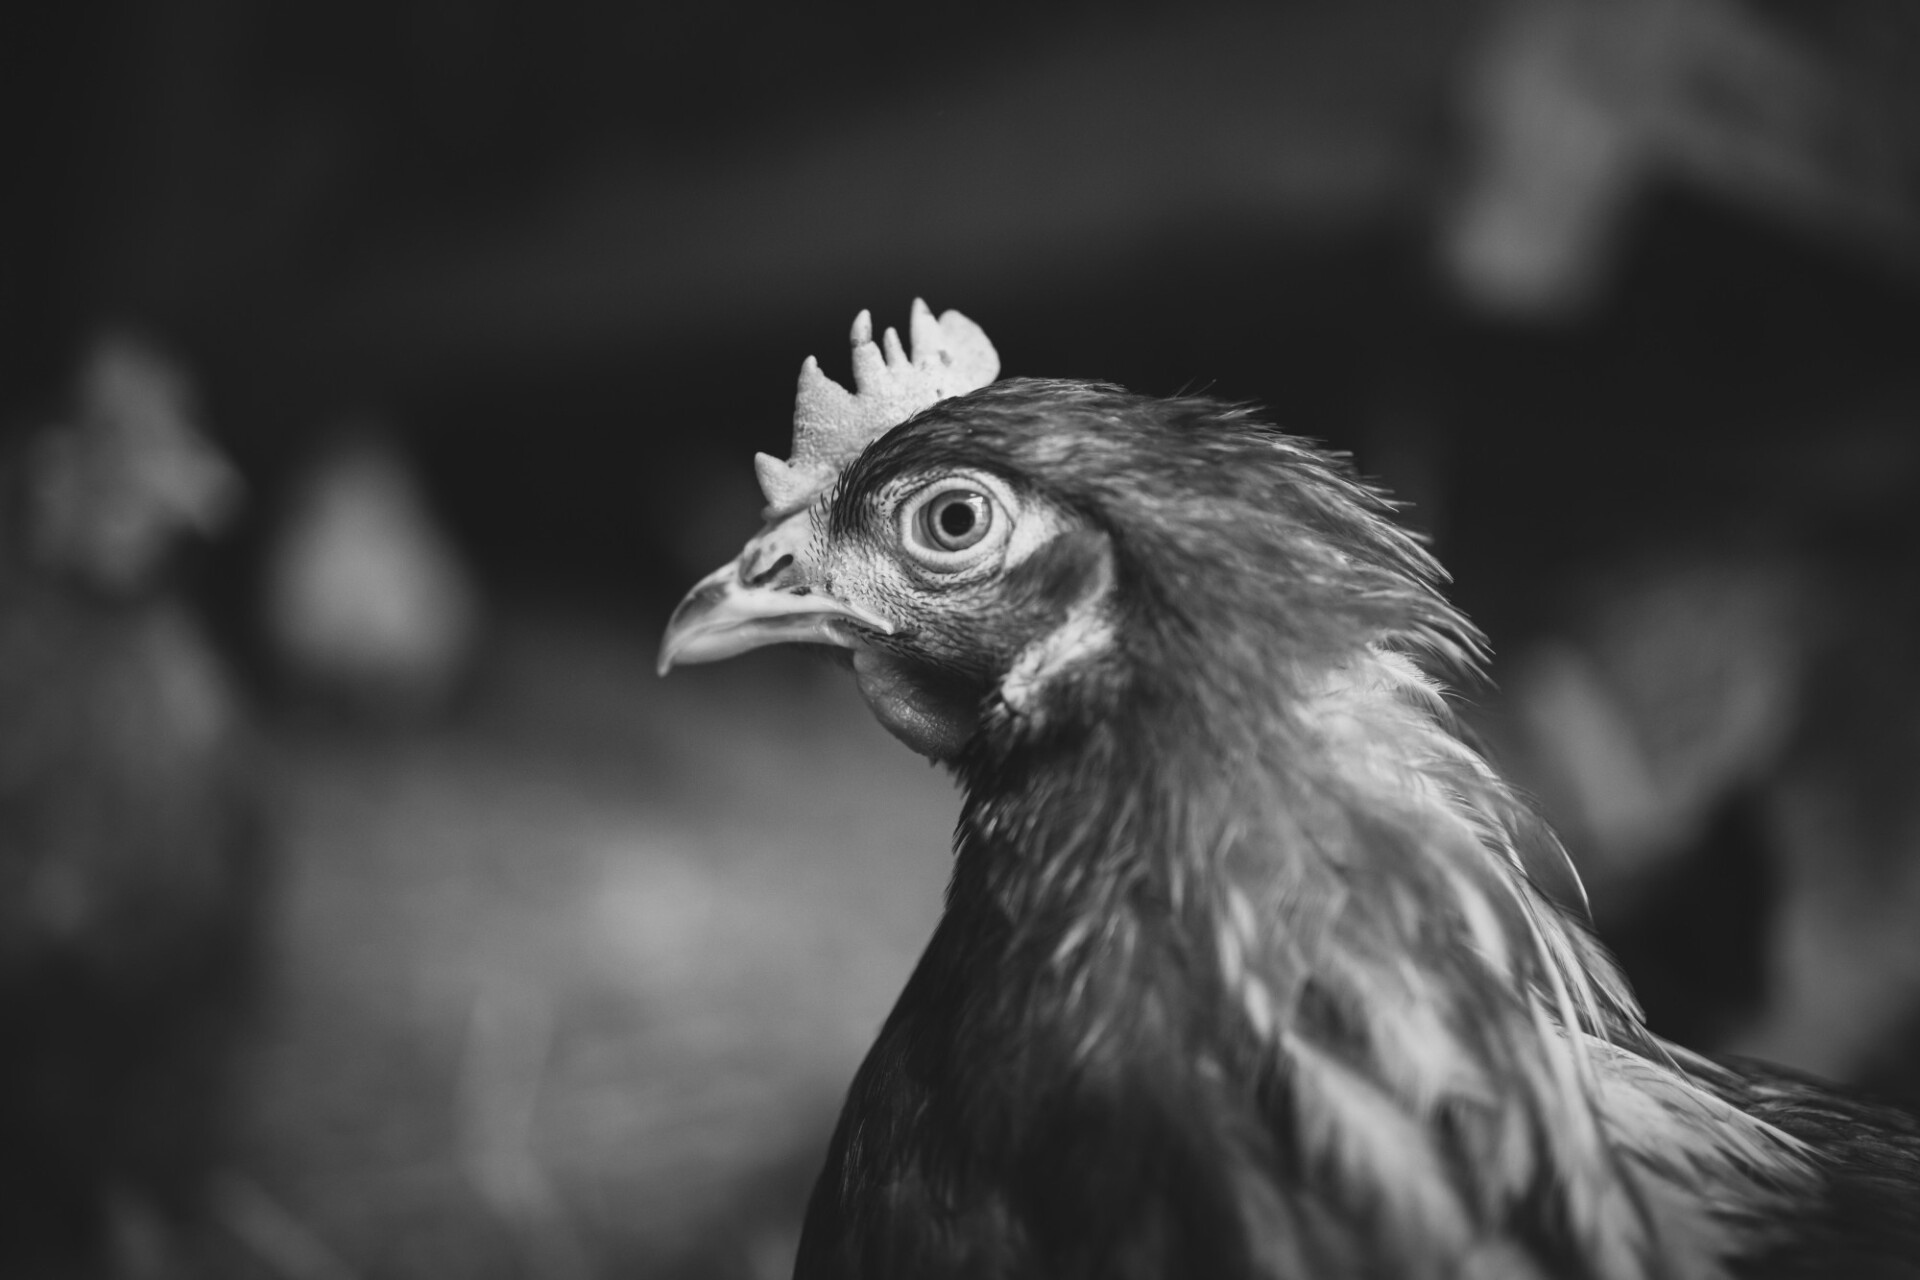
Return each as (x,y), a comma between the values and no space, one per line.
(766,596)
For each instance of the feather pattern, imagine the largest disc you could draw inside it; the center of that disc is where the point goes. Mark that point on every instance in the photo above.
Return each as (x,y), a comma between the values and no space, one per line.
(1243,972)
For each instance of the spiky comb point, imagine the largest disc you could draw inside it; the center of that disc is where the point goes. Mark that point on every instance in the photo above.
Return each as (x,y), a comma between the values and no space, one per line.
(950,356)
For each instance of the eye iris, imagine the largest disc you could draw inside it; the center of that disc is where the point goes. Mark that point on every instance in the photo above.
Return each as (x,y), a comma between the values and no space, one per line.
(956,521)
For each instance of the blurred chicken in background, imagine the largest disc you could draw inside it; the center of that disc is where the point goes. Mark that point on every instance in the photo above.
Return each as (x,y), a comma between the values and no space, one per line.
(1575,110)
(128,858)
(1724,725)
(369,605)
(1730,741)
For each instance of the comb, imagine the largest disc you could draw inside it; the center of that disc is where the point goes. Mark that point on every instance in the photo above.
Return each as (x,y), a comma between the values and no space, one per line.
(831,425)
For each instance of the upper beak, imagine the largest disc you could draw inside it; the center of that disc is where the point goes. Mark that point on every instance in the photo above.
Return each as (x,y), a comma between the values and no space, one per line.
(766,596)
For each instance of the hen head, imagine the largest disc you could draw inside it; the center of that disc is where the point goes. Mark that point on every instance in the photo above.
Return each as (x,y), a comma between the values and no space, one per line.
(1010,565)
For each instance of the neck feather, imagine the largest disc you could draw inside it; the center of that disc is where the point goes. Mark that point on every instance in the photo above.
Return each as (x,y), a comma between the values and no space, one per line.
(1353,881)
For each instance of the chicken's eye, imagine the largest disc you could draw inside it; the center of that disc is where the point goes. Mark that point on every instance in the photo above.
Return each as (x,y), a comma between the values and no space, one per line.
(956,519)
(955,525)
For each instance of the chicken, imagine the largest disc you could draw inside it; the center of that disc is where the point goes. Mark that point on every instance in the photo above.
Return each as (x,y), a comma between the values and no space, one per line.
(1245,969)
(129,833)
(371,609)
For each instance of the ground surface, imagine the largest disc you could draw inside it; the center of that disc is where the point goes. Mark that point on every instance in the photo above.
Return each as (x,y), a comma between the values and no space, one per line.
(572,985)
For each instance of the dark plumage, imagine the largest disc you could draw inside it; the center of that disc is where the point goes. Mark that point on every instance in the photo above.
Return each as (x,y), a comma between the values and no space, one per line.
(1244,969)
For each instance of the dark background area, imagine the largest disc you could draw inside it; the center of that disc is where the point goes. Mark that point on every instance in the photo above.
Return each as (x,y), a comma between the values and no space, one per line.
(479,951)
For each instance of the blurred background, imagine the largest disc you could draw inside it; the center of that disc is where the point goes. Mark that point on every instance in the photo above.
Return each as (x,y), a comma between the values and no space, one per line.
(375,376)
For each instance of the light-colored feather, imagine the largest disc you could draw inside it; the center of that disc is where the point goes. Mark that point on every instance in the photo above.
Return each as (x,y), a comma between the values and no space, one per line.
(1542,1063)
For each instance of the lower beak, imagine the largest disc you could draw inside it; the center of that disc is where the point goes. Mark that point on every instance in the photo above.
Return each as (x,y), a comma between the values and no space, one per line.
(764,597)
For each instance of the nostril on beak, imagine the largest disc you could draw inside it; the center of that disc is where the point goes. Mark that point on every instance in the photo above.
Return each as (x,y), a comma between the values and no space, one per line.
(764,577)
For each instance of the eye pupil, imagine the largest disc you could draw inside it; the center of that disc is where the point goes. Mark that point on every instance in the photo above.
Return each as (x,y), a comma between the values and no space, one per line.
(956,519)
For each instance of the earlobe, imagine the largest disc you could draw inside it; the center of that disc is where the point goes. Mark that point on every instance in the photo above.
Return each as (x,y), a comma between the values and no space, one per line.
(1074,577)
(1074,570)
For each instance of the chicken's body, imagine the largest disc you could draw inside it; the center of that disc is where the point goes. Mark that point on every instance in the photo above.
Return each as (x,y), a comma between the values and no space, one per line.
(132,849)
(1242,971)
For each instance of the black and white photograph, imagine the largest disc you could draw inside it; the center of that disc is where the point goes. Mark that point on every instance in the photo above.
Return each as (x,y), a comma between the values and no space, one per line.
(1082,641)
